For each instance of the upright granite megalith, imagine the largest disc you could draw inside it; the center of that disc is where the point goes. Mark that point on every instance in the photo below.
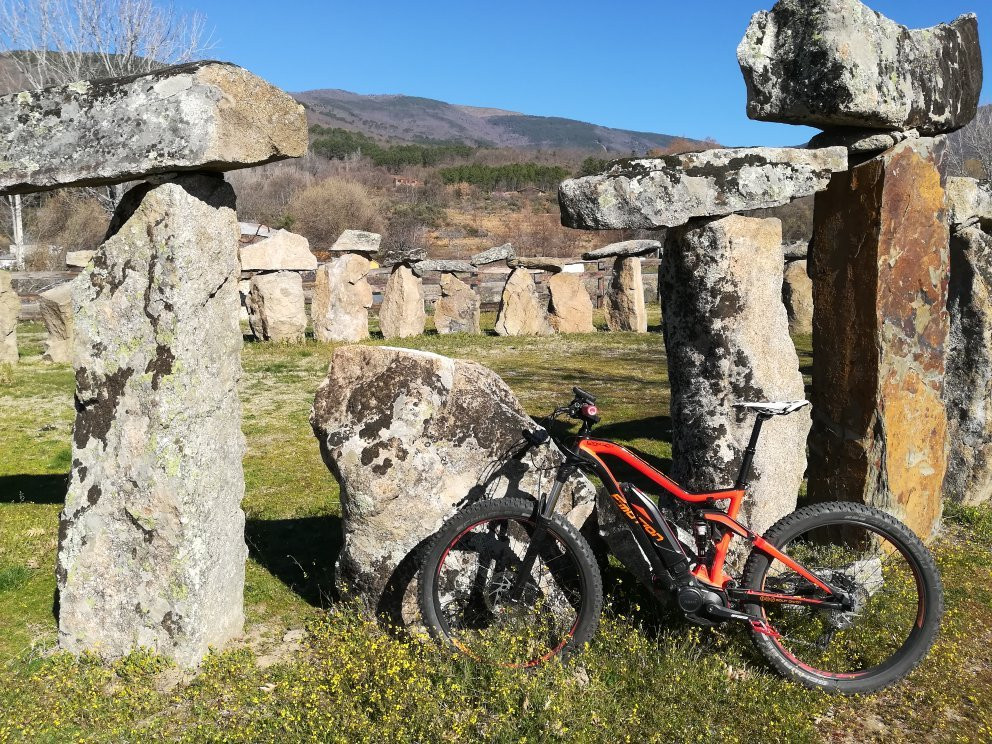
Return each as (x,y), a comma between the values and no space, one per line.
(151,549)
(879,265)
(151,538)
(457,309)
(10,307)
(342,297)
(56,312)
(277,307)
(521,312)
(624,299)
(727,338)
(402,312)
(968,382)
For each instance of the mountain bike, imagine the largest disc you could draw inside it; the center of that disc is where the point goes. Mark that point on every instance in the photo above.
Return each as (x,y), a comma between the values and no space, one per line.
(838,596)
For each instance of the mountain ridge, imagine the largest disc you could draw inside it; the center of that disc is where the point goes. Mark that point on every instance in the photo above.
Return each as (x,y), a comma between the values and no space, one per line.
(399,117)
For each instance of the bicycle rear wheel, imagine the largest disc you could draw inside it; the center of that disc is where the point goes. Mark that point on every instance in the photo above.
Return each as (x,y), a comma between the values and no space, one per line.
(472,597)
(894,590)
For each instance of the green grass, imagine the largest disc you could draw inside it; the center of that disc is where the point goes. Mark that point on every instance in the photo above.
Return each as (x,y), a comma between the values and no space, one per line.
(314,668)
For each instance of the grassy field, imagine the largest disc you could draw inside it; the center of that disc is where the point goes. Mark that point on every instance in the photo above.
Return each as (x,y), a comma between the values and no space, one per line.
(313,667)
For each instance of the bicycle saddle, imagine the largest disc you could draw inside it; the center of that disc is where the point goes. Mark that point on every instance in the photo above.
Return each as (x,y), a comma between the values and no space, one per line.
(770,408)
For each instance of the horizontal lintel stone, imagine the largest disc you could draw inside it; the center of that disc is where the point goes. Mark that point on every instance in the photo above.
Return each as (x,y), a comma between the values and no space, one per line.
(668,192)
(211,116)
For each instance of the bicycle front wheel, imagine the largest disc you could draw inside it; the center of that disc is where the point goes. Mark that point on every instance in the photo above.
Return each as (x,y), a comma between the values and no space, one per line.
(474,596)
(894,598)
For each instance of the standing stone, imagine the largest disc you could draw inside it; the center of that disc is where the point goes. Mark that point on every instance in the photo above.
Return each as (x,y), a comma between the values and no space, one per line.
(570,308)
(341,299)
(10,307)
(624,299)
(402,312)
(521,312)
(727,338)
(797,294)
(879,268)
(56,312)
(408,435)
(151,541)
(838,63)
(457,310)
(968,384)
(277,308)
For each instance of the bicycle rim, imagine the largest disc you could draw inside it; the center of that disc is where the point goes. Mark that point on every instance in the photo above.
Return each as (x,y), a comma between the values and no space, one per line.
(886,613)
(487,613)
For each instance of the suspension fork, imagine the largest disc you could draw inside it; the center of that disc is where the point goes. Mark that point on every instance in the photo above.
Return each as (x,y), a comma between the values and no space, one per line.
(542,518)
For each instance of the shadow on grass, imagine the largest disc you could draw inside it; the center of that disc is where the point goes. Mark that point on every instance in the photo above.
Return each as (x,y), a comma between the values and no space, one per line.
(654,427)
(33,489)
(301,553)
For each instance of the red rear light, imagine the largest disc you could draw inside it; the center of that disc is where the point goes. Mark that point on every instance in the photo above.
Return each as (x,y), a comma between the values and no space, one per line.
(589,410)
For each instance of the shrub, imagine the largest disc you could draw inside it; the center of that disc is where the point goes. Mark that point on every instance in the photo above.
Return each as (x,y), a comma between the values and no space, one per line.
(323,211)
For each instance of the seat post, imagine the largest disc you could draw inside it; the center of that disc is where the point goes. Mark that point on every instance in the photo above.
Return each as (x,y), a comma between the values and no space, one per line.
(752,446)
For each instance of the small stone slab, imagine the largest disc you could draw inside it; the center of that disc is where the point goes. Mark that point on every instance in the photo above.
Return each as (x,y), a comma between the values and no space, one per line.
(538,263)
(444,266)
(861,141)
(492,255)
(357,241)
(401,254)
(624,248)
(838,63)
(210,116)
(284,251)
(78,259)
(968,202)
(798,251)
(669,191)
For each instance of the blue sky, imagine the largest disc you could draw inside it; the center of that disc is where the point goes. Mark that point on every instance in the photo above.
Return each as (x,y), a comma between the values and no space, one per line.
(664,66)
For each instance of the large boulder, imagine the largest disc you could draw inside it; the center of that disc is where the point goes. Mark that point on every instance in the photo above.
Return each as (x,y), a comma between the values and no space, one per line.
(623,302)
(797,294)
(409,435)
(968,382)
(151,541)
(669,191)
(727,341)
(402,313)
(199,116)
(457,310)
(56,311)
(880,329)
(283,251)
(521,312)
(342,297)
(10,307)
(277,307)
(570,307)
(838,63)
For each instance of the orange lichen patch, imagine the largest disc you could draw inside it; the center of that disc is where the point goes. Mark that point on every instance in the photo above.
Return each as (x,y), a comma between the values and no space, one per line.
(915,424)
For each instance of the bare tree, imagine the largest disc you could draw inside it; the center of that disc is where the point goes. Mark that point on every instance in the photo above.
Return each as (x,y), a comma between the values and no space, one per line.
(54,42)
(969,150)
